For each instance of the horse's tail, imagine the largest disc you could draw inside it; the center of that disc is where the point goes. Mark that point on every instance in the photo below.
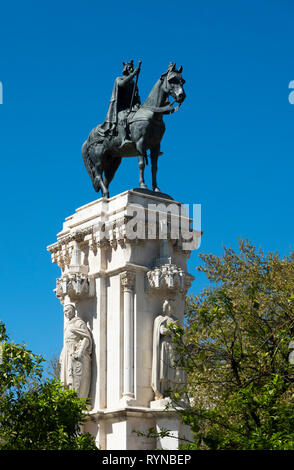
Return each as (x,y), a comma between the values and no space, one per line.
(90,166)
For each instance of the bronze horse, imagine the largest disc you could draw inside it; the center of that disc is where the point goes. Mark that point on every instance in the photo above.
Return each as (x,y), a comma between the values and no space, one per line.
(102,155)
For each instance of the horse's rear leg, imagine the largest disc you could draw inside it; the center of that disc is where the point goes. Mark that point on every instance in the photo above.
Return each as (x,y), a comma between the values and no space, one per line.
(154,158)
(97,159)
(141,158)
(99,181)
(110,171)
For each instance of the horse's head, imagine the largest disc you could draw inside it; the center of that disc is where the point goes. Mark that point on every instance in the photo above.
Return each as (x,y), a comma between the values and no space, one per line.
(173,83)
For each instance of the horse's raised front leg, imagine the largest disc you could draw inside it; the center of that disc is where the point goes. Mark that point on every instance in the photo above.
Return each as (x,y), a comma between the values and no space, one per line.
(154,158)
(141,158)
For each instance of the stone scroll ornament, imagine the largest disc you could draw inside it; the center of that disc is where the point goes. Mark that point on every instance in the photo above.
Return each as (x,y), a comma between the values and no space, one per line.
(165,374)
(75,359)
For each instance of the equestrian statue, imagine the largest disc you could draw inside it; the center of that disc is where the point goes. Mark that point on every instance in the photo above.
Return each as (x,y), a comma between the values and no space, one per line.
(130,128)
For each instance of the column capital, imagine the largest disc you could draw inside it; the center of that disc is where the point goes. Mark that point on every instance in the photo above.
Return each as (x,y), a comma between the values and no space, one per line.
(127,280)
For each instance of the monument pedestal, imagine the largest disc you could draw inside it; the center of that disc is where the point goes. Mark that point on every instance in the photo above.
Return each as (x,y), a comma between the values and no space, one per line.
(120,259)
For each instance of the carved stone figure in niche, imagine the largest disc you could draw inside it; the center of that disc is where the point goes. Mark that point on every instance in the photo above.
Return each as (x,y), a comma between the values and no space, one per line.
(75,359)
(164,372)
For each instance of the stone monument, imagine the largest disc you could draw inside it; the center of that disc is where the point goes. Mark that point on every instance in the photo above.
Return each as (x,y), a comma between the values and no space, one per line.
(124,278)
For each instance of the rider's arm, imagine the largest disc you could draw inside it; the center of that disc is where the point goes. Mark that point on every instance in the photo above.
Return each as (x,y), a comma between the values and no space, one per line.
(124,80)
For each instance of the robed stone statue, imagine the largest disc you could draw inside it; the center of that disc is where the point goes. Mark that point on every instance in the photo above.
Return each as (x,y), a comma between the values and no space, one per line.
(165,374)
(75,359)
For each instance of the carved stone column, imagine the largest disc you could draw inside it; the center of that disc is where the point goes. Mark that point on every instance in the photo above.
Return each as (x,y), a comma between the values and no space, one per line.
(127,279)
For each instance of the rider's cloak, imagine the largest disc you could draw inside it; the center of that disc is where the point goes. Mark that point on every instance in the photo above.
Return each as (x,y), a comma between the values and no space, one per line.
(111,117)
(120,101)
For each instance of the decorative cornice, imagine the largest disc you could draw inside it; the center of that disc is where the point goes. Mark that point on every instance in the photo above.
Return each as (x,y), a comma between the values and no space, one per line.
(115,233)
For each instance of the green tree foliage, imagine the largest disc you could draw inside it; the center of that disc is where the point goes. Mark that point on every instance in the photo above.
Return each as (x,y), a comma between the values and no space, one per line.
(36,414)
(234,349)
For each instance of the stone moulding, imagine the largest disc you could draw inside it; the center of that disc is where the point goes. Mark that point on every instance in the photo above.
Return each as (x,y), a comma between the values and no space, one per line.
(131,411)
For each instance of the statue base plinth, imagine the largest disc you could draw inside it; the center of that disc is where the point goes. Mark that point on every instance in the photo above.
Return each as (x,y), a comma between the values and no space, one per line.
(120,294)
(119,429)
(156,194)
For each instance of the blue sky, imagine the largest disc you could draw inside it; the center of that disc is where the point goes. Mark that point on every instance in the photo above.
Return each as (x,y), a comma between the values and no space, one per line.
(229,148)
